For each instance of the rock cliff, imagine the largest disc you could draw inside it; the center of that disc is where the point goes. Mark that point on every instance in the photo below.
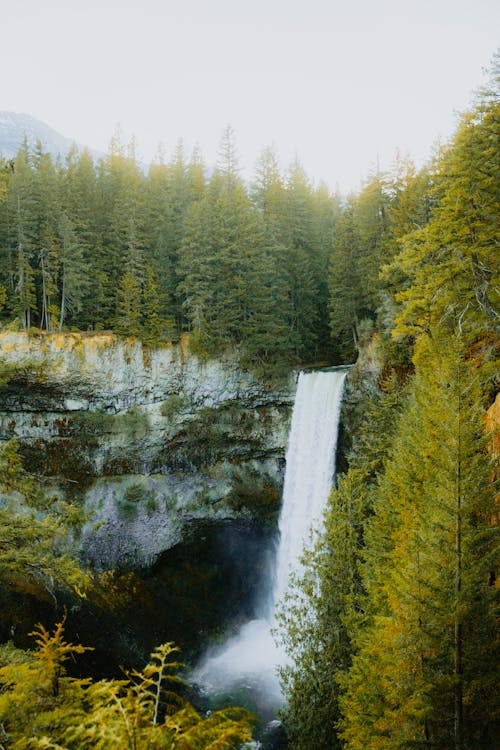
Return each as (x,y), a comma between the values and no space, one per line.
(152,441)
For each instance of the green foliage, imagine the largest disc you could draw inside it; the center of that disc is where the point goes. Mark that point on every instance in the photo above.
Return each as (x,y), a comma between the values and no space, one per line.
(92,423)
(391,630)
(128,305)
(450,263)
(173,405)
(315,622)
(134,423)
(255,492)
(40,373)
(398,652)
(34,551)
(225,430)
(34,690)
(169,253)
(361,243)
(422,672)
(74,271)
(153,328)
(135,495)
(42,707)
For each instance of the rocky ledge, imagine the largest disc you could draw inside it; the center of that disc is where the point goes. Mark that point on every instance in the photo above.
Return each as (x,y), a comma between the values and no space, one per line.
(152,441)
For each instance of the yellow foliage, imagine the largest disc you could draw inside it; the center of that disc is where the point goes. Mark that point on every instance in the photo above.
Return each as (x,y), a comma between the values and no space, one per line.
(41,707)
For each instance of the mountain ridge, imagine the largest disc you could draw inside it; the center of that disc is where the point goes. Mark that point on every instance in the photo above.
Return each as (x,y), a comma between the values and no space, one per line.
(15,126)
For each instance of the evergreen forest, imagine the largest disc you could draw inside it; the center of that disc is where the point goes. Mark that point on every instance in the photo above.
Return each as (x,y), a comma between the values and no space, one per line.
(393,628)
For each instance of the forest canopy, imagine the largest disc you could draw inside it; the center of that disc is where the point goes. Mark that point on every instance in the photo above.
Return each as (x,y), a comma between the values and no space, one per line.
(281,270)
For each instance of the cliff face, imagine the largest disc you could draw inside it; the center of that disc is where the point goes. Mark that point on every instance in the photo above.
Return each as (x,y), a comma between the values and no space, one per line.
(153,441)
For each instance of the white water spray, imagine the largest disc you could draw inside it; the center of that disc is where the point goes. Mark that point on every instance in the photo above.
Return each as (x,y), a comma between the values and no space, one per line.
(250,659)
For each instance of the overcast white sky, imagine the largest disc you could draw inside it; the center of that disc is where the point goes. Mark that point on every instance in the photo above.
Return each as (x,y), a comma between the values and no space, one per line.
(338,83)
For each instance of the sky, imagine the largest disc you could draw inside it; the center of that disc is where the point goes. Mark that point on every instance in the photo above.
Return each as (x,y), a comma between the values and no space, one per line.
(338,84)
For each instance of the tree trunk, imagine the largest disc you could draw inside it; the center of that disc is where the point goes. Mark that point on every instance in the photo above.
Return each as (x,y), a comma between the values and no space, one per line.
(458,718)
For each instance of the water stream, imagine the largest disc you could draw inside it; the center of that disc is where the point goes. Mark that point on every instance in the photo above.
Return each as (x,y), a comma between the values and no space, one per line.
(250,659)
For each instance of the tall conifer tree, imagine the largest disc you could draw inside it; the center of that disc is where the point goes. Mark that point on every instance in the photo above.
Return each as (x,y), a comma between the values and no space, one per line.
(423,672)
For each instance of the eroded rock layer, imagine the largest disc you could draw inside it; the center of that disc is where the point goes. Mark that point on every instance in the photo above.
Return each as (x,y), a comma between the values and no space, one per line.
(154,442)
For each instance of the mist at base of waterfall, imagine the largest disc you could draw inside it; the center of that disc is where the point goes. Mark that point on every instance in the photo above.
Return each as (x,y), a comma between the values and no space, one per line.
(245,666)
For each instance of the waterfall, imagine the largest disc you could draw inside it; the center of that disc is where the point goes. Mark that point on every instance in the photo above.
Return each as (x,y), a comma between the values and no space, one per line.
(250,659)
(310,467)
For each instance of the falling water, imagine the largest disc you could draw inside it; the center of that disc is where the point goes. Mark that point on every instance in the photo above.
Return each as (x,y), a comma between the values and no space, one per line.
(250,659)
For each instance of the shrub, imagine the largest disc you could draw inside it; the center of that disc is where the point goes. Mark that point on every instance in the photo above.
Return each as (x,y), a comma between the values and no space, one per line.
(134,496)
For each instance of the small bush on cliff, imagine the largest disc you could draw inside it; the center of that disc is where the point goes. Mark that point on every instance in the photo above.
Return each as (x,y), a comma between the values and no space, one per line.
(90,423)
(173,405)
(27,373)
(259,494)
(216,431)
(136,495)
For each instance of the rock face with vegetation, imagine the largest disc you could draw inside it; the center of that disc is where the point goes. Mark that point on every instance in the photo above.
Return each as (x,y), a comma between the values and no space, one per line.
(153,441)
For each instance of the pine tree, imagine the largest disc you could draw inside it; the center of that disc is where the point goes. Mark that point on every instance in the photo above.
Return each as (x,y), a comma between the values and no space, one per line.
(412,196)
(423,672)
(118,222)
(128,309)
(196,271)
(153,325)
(268,192)
(298,265)
(346,304)
(272,340)
(6,251)
(222,278)
(227,159)
(46,201)
(24,297)
(49,271)
(371,216)
(21,237)
(80,205)
(451,262)
(73,271)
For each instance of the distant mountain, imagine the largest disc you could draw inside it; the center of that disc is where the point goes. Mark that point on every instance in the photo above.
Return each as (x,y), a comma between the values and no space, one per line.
(14,127)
